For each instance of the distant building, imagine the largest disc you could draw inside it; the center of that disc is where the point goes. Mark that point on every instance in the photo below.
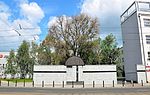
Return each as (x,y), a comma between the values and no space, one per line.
(135,24)
(3,61)
(3,64)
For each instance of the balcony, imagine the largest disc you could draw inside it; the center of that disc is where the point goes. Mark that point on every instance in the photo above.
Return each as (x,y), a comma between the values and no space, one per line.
(135,6)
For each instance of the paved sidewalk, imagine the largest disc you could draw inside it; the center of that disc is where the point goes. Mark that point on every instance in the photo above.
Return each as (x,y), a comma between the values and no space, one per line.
(30,84)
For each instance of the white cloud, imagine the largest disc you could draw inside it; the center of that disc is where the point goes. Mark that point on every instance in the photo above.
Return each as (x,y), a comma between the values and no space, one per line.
(108,12)
(104,8)
(32,15)
(100,7)
(4,15)
(52,20)
(5,24)
(32,11)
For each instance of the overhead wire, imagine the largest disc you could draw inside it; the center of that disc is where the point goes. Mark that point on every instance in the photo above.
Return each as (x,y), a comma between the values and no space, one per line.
(34,28)
(13,42)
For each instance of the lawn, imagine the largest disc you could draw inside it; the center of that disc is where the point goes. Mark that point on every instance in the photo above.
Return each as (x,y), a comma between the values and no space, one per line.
(18,80)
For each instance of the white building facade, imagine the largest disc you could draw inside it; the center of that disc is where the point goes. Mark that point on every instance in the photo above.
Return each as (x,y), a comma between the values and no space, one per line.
(3,61)
(3,64)
(135,24)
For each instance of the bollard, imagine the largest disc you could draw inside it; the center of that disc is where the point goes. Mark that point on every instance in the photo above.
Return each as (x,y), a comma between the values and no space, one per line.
(42,83)
(63,84)
(132,83)
(0,82)
(53,84)
(8,82)
(24,83)
(16,84)
(83,84)
(103,84)
(32,83)
(123,83)
(93,84)
(72,84)
(113,84)
(142,82)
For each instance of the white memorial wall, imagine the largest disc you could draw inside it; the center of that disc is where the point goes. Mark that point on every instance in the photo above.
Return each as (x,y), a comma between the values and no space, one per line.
(87,73)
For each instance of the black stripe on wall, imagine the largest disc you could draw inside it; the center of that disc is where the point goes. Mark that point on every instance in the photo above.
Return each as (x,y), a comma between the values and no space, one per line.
(97,71)
(140,70)
(49,71)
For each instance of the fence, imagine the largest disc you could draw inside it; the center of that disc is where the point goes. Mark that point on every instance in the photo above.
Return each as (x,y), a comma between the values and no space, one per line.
(69,85)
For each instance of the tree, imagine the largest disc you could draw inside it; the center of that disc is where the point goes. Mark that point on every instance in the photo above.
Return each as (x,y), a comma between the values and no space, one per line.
(11,67)
(120,66)
(23,59)
(33,58)
(109,50)
(44,55)
(34,52)
(72,36)
(91,55)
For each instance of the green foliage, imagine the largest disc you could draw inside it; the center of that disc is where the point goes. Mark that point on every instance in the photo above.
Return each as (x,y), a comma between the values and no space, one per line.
(33,58)
(90,55)
(34,52)
(44,55)
(109,50)
(11,66)
(23,59)
(120,70)
(120,66)
(73,36)
(78,36)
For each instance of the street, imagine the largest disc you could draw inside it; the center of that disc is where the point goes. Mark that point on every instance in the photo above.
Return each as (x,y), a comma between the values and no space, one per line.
(74,91)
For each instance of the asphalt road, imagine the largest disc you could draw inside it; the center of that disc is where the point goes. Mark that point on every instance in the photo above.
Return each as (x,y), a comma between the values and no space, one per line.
(74,91)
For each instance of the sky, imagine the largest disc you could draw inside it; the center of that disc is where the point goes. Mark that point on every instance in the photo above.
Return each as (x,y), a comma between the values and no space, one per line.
(29,19)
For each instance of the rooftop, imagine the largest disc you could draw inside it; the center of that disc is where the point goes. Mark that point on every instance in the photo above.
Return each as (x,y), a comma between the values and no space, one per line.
(136,6)
(74,61)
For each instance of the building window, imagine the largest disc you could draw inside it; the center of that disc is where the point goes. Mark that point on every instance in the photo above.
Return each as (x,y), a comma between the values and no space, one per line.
(148,55)
(148,39)
(147,22)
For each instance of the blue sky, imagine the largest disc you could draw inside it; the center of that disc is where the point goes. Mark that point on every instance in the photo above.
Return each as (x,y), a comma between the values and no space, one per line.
(34,16)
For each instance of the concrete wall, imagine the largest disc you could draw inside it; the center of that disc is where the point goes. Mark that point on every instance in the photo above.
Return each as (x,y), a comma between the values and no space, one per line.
(141,74)
(87,73)
(71,73)
(98,73)
(48,74)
